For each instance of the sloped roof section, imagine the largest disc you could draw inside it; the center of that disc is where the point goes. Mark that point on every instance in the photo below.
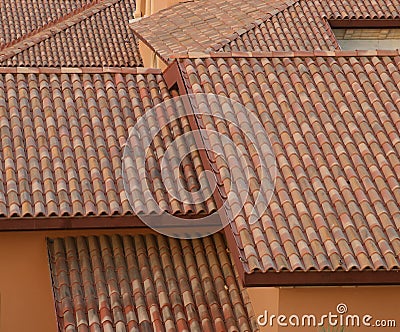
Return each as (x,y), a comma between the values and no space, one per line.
(147,283)
(333,121)
(199,25)
(304,25)
(301,26)
(22,17)
(357,9)
(92,34)
(62,136)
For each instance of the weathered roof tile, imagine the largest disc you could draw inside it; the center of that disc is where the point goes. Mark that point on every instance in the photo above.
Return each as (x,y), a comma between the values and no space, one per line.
(62,137)
(305,25)
(335,204)
(147,282)
(99,37)
(196,26)
(274,26)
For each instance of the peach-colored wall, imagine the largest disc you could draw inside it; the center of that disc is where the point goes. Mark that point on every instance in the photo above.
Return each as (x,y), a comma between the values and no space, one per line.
(26,298)
(267,297)
(25,288)
(147,55)
(150,59)
(140,8)
(381,302)
(148,7)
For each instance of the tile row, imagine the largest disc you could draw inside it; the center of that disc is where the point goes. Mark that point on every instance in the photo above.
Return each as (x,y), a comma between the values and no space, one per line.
(19,18)
(101,39)
(272,26)
(334,127)
(305,25)
(147,283)
(62,142)
(200,25)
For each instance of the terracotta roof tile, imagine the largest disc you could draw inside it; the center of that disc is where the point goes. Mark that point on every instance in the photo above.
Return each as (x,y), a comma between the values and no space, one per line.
(333,123)
(275,26)
(201,25)
(22,17)
(304,25)
(71,37)
(299,27)
(146,283)
(62,135)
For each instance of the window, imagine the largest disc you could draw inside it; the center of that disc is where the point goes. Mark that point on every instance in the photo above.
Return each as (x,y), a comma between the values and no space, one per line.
(355,38)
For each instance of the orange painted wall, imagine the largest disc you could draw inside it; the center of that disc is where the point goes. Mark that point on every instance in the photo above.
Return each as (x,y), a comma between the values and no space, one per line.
(162,4)
(148,7)
(25,289)
(25,286)
(149,57)
(265,298)
(381,302)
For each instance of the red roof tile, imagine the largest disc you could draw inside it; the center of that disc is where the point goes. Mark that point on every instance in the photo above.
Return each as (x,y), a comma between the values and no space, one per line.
(62,132)
(356,9)
(147,283)
(21,17)
(304,25)
(273,26)
(202,24)
(94,34)
(301,26)
(334,124)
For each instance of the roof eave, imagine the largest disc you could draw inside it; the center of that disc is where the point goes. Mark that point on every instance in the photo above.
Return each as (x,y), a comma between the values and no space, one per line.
(364,23)
(322,278)
(81,222)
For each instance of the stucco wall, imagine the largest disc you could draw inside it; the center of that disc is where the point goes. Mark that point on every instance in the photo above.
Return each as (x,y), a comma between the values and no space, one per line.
(149,57)
(25,289)
(148,7)
(381,303)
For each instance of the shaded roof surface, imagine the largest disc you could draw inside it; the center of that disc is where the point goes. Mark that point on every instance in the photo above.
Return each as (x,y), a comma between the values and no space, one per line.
(68,33)
(202,24)
(147,283)
(333,122)
(304,26)
(62,136)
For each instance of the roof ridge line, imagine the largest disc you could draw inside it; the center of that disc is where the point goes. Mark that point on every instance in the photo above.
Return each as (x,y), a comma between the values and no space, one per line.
(284,54)
(79,70)
(217,46)
(36,36)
